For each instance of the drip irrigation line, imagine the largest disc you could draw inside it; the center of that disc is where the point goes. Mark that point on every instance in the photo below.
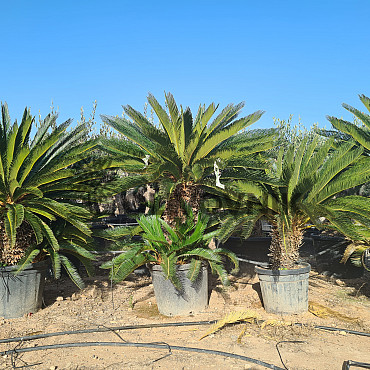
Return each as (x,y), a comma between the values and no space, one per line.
(278,350)
(149,326)
(106,328)
(331,328)
(144,345)
(349,363)
(262,264)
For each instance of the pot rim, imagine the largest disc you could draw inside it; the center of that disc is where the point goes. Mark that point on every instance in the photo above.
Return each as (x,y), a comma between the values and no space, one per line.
(306,267)
(186,266)
(41,265)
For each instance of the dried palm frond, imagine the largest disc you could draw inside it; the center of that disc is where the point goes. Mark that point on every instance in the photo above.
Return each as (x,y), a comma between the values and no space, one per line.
(322,311)
(231,318)
(276,323)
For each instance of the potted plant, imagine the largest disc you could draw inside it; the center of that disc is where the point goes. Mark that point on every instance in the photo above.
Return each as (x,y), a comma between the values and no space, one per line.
(309,179)
(176,256)
(38,209)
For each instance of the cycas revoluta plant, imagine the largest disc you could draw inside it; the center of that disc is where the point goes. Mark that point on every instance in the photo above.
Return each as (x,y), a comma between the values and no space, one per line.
(184,242)
(309,176)
(184,155)
(38,192)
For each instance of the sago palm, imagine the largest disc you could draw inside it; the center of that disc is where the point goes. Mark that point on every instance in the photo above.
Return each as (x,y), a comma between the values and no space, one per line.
(309,177)
(184,155)
(169,246)
(38,189)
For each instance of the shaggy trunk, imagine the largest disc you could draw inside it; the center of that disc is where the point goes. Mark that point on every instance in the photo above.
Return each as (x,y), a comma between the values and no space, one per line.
(188,193)
(25,237)
(285,246)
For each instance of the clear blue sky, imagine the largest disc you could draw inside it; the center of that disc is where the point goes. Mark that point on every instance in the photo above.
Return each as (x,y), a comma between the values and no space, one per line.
(285,57)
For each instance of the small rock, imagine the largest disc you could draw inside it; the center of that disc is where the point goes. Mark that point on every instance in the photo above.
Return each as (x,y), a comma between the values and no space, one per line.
(342,332)
(59,299)
(340,282)
(53,367)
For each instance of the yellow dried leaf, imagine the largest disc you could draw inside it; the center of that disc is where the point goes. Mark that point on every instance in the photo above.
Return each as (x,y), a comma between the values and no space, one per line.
(319,310)
(275,323)
(231,318)
(242,334)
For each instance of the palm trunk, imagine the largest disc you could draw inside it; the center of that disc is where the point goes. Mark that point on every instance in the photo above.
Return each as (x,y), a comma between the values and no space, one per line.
(285,246)
(25,237)
(185,193)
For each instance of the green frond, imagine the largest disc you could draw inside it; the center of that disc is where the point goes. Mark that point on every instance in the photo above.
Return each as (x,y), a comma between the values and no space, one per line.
(358,133)
(34,222)
(229,113)
(116,233)
(124,264)
(356,174)
(218,269)
(55,262)
(233,128)
(72,271)
(163,119)
(27,258)
(194,269)
(48,122)
(131,131)
(339,160)
(351,203)
(10,222)
(168,265)
(231,256)
(202,253)
(78,251)
(365,118)
(298,157)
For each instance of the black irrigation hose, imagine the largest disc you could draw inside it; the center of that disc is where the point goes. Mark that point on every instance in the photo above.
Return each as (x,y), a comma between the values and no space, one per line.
(145,345)
(349,363)
(146,326)
(331,328)
(104,329)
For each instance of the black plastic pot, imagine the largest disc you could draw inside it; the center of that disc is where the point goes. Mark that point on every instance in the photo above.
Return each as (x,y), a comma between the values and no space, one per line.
(192,298)
(22,293)
(285,291)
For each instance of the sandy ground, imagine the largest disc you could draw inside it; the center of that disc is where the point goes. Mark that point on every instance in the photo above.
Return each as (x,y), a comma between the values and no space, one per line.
(132,302)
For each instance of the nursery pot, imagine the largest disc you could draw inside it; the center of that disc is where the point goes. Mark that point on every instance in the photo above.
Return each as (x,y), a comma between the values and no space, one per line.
(21,293)
(193,297)
(285,291)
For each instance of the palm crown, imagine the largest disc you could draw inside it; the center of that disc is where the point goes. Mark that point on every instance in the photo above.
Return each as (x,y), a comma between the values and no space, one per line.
(183,153)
